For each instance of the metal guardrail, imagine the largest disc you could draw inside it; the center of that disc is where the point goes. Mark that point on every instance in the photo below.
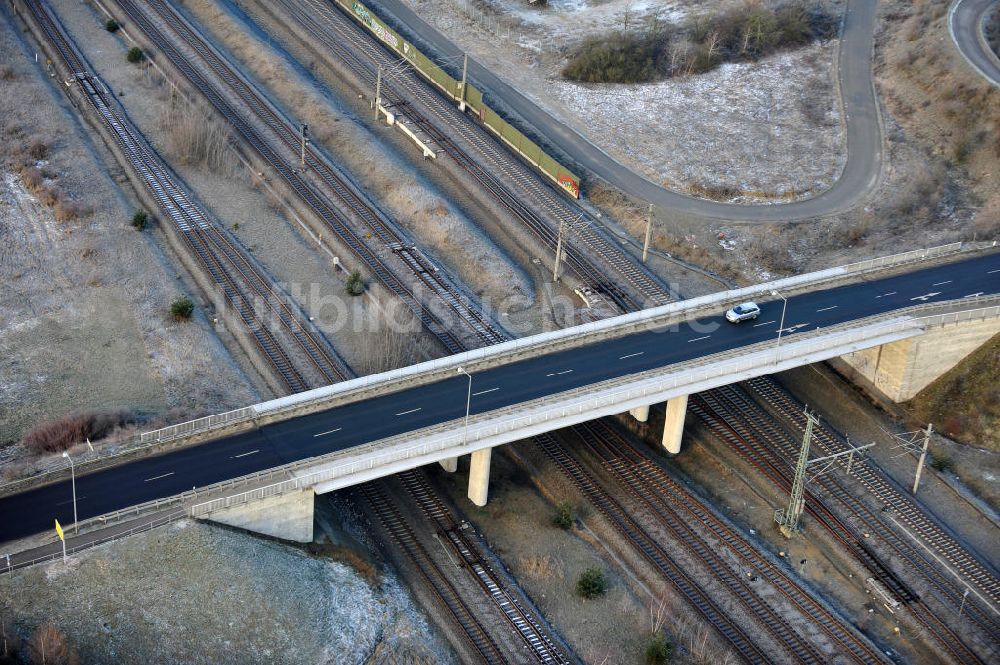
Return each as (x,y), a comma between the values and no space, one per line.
(536,343)
(847,335)
(438,438)
(200,425)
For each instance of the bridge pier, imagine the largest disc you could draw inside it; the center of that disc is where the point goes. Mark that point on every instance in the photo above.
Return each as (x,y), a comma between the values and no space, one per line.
(479,476)
(449,464)
(640,413)
(673,424)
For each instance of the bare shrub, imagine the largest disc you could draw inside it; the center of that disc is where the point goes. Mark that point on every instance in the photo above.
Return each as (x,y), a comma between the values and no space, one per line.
(38,149)
(196,138)
(772,251)
(66,211)
(58,435)
(7,73)
(541,567)
(48,646)
(348,557)
(32,179)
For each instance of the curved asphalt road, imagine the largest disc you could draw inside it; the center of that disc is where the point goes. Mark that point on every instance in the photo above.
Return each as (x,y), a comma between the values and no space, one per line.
(364,421)
(966,22)
(864,132)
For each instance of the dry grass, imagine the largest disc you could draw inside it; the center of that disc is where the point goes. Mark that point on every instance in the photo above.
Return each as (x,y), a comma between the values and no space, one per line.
(48,646)
(348,557)
(540,567)
(64,433)
(965,402)
(197,138)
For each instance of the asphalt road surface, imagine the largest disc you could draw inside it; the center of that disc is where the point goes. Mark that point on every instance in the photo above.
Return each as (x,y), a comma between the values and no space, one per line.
(864,132)
(361,422)
(966,25)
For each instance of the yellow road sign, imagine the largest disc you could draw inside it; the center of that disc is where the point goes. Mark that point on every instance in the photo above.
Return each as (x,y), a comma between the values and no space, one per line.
(60,531)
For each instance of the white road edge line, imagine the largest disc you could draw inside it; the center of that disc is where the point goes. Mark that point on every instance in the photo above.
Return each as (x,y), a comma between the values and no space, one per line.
(766,323)
(827,309)
(483,392)
(631,355)
(245,454)
(158,477)
(698,338)
(410,411)
(328,432)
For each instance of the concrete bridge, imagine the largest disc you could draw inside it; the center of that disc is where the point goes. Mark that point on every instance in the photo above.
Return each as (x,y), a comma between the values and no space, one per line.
(900,321)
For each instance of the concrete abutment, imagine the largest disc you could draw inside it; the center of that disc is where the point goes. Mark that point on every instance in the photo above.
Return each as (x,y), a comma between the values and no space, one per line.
(287,516)
(479,476)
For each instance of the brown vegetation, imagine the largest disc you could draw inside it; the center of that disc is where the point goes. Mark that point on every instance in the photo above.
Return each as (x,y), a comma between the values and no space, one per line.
(48,646)
(58,435)
(964,404)
(951,111)
(348,557)
(23,157)
(196,138)
(744,32)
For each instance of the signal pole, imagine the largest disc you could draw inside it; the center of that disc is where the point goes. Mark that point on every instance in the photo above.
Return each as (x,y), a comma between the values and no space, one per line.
(649,231)
(378,90)
(788,518)
(908,442)
(559,242)
(305,139)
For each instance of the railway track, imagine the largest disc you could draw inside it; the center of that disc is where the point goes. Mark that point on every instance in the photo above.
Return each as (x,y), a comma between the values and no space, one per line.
(228,266)
(362,54)
(679,510)
(534,635)
(758,438)
(276,144)
(979,575)
(743,642)
(435,578)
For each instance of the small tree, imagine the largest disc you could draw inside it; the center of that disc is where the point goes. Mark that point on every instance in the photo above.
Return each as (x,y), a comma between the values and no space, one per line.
(140,219)
(591,583)
(659,649)
(182,308)
(564,515)
(135,54)
(355,285)
(111,25)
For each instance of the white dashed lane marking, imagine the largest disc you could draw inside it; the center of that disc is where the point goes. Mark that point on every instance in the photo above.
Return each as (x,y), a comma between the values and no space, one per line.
(827,309)
(483,392)
(252,452)
(631,355)
(696,339)
(766,323)
(328,432)
(158,477)
(410,411)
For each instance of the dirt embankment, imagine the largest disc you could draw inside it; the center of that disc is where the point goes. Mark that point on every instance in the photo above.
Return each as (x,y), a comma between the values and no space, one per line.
(84,308)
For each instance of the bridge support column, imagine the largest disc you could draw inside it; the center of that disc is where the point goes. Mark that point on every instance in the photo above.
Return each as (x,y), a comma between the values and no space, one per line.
(449,464)
(640,413)
(673,425)
(479,476)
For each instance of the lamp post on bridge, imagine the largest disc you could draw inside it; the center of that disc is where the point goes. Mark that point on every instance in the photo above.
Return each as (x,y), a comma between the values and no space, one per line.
(781,326)
(468,404)
(72,472)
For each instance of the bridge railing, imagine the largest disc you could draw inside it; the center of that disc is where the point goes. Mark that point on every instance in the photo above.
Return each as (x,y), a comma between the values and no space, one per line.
(437,440)
(541,343)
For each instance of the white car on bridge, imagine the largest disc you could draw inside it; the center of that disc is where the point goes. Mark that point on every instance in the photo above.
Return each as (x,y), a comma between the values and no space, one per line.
(743,312)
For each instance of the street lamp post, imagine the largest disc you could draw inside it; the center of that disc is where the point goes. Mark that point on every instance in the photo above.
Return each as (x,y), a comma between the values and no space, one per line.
(468,404)
(72,473)
(784,306)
